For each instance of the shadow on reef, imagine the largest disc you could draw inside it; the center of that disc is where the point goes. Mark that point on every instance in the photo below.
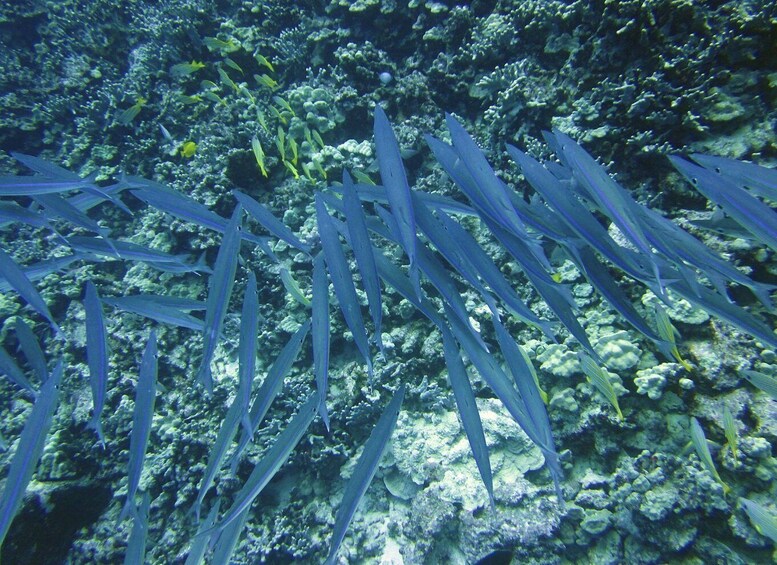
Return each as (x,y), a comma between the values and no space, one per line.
(499,557)
(44,532)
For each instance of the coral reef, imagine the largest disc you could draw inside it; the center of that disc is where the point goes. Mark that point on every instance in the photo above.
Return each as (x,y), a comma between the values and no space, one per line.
(633,81)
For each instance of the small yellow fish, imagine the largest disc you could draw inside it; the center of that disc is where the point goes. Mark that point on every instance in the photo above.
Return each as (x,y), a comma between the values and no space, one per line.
(292,169)
(131,113)
(209,85)
(317,137)
(185,69)
(280,143)
(306,170)
(294,151)
(668,332)
(231,64)
(601,381)
(263,61)
(762,519)
(186,99)
(761,380)
(730,430)
(267,81)
(532,370)
(213,97)
(187,149)
(258,154)
(216,44)
(292,287)
(274,111)
(246,94)
(699,441)
(262,121)
(282,103)
(363,178)
(227,81)
(320,169)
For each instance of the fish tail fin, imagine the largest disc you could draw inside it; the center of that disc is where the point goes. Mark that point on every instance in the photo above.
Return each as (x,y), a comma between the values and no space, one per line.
(58,333)
(661,284)
(763,293)
(324,413)
(370,370)
(378,339)
(205,378)
(97,426)
(196,507)
(129,510)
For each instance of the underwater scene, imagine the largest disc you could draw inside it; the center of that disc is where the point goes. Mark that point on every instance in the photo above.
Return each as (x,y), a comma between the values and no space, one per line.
(388,281)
